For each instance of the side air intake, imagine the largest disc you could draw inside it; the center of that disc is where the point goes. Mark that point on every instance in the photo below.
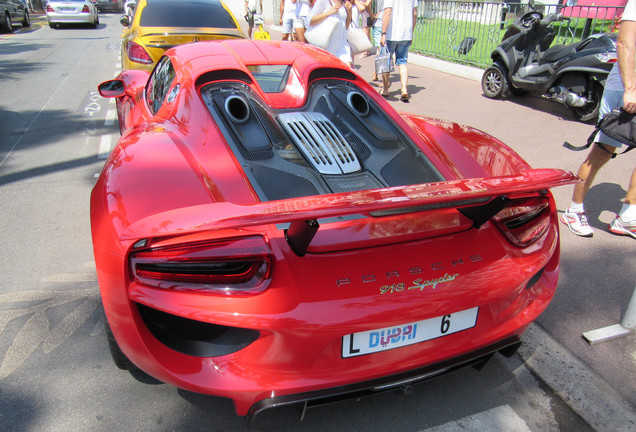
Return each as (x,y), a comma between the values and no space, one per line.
(321,143)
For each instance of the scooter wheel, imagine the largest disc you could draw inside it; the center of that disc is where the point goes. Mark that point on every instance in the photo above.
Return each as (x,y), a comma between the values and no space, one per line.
(589,112)
(494,83)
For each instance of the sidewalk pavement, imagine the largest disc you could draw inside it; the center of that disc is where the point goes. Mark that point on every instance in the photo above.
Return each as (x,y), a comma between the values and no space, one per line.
(598,275)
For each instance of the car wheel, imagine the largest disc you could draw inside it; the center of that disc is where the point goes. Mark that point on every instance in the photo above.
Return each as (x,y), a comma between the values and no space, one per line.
(52,25)
(119,358)
(6,25)
(26,22)
(494,82)
(590,110)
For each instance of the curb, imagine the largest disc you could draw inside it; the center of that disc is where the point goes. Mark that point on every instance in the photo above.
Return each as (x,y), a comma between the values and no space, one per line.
(574,382)
(468,72)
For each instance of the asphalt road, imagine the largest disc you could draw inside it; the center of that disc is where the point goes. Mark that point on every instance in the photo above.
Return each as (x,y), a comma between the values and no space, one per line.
(55,369)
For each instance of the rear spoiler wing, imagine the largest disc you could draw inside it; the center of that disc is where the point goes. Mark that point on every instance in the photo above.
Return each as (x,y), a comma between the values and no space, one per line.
(302,213)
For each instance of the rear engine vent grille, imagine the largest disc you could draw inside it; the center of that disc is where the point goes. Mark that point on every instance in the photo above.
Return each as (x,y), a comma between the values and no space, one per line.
(321,142)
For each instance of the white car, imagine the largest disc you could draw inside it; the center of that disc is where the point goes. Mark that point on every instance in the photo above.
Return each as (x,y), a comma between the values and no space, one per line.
(71,12)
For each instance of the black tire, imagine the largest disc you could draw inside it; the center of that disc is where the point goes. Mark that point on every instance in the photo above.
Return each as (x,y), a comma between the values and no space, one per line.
(26,22)
(494,82)
(119,358)
(590,111)
(6,26)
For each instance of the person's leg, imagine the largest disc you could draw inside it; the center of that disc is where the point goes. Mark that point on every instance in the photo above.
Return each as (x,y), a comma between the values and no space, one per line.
(630,198)
(595,160)
(625,221)
(401,60)
(604,147)
(391,45)
(299,29)
(288,24)
(404,79)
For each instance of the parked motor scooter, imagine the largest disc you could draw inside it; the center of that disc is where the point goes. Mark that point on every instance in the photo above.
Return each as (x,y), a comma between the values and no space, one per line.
(573,75)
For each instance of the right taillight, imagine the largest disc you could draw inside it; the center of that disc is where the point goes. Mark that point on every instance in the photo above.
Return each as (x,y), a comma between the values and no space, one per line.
(136,53)
(524,221)
(236,266)
(49,8)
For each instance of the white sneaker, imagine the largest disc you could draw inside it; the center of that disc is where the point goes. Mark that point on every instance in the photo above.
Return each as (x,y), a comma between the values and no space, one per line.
(577,222)
(617,226)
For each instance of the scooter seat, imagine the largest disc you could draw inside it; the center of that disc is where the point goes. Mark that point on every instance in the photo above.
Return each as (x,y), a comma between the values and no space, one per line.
(557,52)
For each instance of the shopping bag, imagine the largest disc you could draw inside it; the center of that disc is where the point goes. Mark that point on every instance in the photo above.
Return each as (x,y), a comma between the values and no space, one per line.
(358,41)
(383,61)
(320,34)
(261,34)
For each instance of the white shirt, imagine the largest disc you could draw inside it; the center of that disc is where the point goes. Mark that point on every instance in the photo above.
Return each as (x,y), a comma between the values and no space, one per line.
(614,78)
(400,28)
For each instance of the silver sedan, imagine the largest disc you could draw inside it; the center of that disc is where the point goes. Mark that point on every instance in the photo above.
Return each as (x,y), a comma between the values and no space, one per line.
(71,12)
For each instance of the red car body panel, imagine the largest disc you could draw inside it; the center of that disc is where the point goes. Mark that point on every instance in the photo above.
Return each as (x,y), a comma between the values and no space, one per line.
(382,257)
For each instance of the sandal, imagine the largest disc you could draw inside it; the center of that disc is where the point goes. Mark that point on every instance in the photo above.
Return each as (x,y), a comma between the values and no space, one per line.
(384,95)
(405,97)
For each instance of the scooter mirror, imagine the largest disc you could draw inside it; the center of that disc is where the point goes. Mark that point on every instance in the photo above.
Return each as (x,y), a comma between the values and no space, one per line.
(531,4)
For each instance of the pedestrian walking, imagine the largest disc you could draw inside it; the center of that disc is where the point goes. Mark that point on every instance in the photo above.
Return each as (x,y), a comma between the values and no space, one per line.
(376,30)
(303,7)
(398,22)
(252,7)
(338,44)
(620,91)
(287,17)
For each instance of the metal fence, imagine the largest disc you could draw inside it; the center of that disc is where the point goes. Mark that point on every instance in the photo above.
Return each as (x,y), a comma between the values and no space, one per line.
(467,32)
(442,26)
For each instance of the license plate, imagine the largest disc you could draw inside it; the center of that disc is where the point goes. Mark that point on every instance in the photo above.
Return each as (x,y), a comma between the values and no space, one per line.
(372,341)
(67,10)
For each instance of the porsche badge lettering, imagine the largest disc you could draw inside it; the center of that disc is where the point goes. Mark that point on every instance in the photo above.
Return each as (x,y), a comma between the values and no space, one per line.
(417,283)
(413,271)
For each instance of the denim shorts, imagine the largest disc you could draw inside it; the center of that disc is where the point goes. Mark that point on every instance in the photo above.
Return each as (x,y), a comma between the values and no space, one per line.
(611,99)
(401,50)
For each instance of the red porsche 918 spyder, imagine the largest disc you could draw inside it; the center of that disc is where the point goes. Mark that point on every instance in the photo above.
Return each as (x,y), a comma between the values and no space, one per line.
(270,230)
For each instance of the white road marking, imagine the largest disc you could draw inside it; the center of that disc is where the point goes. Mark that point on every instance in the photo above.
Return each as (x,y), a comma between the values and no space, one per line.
(111,115)
(501,418)
(104,147)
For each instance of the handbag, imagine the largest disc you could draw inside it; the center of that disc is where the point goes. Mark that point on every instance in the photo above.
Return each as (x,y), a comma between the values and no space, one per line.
(617,124)
(383,61)
(320,34)
(358,40)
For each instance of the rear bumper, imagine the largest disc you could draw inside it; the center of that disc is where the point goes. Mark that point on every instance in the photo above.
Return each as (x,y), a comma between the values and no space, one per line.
(84,18)
(402,380)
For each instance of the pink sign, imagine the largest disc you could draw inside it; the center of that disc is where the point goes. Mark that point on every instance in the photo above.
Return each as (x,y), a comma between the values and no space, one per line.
(599,9)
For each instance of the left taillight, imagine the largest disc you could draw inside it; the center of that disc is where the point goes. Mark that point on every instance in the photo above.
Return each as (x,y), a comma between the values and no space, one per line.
(524,221)
(235,266)
(85,9)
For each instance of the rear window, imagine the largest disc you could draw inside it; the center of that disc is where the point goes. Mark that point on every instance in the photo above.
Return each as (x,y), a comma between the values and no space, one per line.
(183,14)
(271,78)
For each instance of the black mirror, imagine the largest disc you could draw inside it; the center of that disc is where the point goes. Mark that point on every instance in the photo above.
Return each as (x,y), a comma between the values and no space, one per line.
(125,20)
(112,89)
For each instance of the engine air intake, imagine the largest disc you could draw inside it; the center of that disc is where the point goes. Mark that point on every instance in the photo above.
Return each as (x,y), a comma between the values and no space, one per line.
(321,142)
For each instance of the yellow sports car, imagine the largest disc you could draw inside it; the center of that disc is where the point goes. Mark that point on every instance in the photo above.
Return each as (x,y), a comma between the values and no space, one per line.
(158,25)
